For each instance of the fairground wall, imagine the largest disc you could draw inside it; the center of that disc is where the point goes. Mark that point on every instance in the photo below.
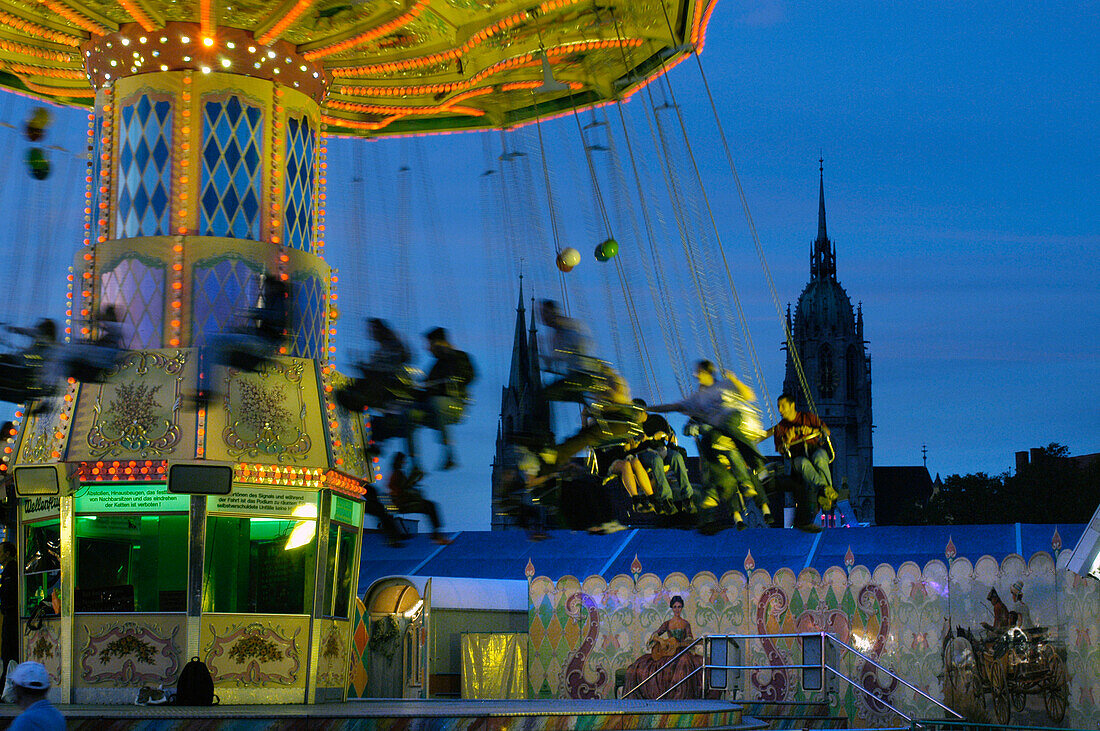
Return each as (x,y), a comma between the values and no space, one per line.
(583,631)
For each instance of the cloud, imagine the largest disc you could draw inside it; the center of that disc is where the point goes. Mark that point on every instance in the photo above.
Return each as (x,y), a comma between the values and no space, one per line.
(763,14)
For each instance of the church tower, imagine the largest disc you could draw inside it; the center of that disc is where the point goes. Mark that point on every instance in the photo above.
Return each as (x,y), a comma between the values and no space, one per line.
(828,339)
(522,409)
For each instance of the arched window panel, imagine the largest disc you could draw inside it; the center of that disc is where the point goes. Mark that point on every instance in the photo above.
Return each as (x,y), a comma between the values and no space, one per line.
(852,372)
(136,289)
(307,338)
(298,198)
(144,168)
(221,291)
(826,373)
(229,198)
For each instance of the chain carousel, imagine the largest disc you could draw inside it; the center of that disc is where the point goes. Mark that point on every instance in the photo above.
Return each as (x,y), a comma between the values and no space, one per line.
(153,528)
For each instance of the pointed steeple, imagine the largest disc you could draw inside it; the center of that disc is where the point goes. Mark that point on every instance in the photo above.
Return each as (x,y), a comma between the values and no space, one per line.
(533,348)
(821,235)
(520,370)
(823,255)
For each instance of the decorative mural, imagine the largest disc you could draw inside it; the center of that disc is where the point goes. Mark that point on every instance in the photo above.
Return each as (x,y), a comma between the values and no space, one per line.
(46,430)
(129,652)
(44,645)
(266,414)
(137,413)
(914,621)
(253,653)
(332,657)
(346,434)
(358,661)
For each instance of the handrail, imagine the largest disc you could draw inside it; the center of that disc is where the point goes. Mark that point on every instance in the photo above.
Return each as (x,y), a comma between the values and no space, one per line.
(671,660)
(823,666)
(897,677)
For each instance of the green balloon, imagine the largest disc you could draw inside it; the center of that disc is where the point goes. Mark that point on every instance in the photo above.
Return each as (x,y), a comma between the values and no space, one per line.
(600,255)
(610,248)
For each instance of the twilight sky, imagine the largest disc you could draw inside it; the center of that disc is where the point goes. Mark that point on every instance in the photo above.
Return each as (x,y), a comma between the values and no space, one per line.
(961,179)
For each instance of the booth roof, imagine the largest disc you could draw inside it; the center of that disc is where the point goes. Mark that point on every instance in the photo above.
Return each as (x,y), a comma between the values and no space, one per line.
(506,554)
(465,593)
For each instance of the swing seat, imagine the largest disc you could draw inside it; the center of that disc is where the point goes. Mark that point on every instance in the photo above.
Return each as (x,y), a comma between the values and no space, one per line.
(617,423)
(379,390)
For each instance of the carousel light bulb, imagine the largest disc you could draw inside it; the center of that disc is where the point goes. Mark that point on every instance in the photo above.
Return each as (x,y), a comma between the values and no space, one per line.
(164,39)
(271,54)
(164,67)
(143,39)
(185,39)
(125,41)
(226,63)
(251,49)
(208,41)
(187,59)
(230,45)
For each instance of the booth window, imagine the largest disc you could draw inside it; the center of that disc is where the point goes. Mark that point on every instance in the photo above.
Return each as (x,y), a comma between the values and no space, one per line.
(259,565)
(42,570)
(341,572)
(131,563)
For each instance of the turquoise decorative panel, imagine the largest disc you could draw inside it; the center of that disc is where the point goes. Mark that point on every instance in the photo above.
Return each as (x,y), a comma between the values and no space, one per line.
(137,290)
(309,317)
(229,201)
(144,169)
(222,290)
(298,198)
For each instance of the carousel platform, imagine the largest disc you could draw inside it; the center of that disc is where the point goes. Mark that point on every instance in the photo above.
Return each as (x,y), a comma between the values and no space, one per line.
(409,715)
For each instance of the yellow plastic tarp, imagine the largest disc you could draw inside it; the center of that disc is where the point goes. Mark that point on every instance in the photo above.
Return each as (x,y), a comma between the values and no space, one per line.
(494,665)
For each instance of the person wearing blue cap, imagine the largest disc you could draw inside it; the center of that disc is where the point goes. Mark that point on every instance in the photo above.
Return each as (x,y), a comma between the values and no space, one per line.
(31,681)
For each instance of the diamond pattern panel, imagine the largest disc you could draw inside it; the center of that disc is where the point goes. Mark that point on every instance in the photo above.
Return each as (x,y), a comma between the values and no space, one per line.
(220,291)
(229,202)
(309,318)
(144,169)
(137,290)
(298,200)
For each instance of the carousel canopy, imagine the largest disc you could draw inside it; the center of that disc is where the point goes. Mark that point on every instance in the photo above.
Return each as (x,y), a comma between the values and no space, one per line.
(384,67)
(506,554)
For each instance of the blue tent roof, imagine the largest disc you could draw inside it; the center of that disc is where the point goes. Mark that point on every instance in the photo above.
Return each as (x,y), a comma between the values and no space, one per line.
(505,554)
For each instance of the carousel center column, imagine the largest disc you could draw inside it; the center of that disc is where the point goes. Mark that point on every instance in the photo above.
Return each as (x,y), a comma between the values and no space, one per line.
(206,177)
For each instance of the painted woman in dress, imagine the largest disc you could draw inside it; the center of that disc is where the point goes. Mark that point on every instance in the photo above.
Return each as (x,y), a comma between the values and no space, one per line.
(670,638)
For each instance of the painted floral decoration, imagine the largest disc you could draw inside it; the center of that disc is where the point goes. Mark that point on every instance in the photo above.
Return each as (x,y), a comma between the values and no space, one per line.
(253,646)
(128,645)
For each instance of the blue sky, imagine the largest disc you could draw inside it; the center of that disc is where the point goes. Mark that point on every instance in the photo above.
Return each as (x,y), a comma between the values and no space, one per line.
(961,171)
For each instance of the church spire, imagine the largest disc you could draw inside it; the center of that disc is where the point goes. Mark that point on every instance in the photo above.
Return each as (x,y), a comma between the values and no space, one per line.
(520,370)
(823,255)
(821,235)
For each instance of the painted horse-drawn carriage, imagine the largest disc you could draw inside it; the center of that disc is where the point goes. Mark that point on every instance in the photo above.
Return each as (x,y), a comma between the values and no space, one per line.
(1010,664)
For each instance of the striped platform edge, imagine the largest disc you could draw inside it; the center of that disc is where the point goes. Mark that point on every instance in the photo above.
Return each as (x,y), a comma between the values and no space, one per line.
(433,715)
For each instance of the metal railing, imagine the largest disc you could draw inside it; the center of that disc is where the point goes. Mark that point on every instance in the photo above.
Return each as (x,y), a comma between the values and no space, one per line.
(826,641)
